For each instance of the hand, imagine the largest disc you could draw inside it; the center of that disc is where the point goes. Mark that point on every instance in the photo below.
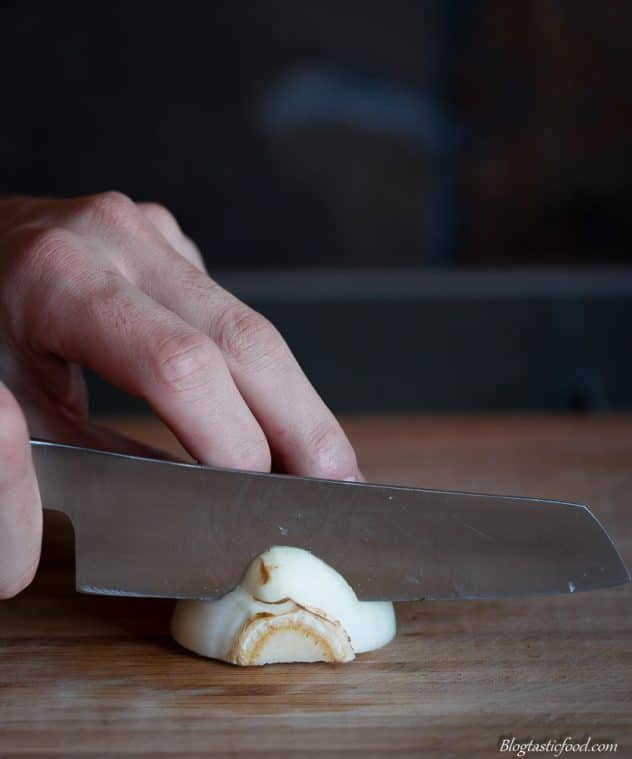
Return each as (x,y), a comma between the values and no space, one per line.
(20,508)
(114,285)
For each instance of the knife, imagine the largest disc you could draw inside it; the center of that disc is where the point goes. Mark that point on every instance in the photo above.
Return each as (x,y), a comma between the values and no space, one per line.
(148,527)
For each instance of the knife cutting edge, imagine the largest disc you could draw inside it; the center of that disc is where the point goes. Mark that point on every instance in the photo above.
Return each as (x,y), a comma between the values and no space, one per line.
(147,527)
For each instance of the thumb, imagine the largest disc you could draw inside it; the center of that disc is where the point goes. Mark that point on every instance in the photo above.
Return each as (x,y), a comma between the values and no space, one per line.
(20,506)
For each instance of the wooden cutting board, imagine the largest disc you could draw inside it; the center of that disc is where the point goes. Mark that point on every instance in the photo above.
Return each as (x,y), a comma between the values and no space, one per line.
(85,675)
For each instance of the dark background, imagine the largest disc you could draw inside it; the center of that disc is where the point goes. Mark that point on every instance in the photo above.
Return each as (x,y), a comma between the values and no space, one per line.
(430,199)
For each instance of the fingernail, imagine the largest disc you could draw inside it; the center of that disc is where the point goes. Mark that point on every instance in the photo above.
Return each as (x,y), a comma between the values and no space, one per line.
(359,477)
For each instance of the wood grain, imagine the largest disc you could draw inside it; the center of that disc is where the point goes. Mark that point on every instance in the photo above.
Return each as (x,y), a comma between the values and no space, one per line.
(82,675)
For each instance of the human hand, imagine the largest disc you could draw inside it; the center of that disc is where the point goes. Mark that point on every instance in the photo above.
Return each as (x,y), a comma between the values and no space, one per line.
(103,282)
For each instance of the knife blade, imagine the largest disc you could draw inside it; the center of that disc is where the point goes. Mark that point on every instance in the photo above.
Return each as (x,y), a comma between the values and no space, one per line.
(147,527)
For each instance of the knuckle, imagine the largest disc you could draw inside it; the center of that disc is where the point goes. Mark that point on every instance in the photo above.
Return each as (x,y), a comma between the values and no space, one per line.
(247,337)
(109,208)
(333,456)
(164,221)
(183,363)
(191,251)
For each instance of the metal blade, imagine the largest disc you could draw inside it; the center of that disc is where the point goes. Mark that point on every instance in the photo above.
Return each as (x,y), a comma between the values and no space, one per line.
(153,528)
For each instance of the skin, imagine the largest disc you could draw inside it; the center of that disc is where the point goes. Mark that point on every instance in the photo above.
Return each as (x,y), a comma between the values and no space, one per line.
(104,282)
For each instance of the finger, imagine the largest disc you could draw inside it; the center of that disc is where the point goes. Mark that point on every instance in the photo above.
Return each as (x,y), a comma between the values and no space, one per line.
(100,320)
(304,436)
(53,397)
(47,422)
(165,224)
(20,506)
